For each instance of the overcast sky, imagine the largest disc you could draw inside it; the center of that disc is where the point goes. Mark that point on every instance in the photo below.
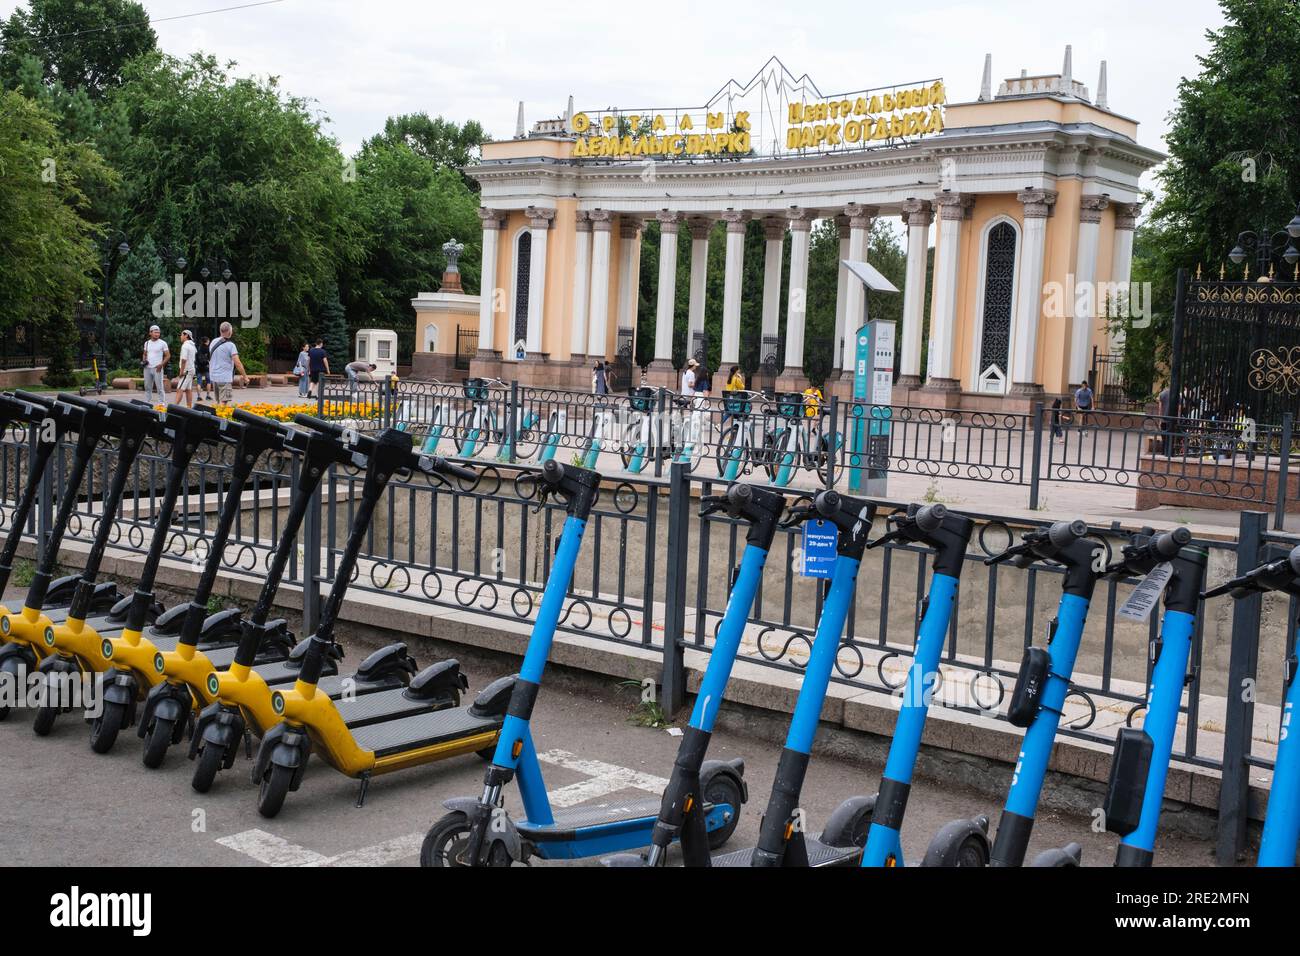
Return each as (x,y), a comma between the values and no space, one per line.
(475,59)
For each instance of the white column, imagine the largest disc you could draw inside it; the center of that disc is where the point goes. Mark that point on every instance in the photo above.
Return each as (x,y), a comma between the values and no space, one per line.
(700,229)
(1121,263)
(598,316)
(581,286)
(1085,276)
(774,246)
(488,297)
(1038,205)
(539,221)
(731,282)
(859,227)
(797,305)
(669,223)
(917,213)
(943,319)
(629,252)
(841,284)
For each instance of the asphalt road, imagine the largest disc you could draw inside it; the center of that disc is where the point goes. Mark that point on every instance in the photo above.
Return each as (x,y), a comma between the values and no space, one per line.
(66,806)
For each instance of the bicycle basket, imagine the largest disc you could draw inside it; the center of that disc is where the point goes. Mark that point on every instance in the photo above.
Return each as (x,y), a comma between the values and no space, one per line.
(643,399)
(476,390)
(789,404)
(735,405)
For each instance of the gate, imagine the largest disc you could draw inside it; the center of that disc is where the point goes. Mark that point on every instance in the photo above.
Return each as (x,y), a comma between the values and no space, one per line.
(1236,349)
(1112,390)
(619,373)
(466,347)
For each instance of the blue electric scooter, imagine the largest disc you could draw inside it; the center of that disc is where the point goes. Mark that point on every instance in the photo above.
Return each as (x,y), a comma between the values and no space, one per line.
(949,535)
(782,840)
(478,831)
(1281,838)
(1140,765)
(1041,688)
(682,811)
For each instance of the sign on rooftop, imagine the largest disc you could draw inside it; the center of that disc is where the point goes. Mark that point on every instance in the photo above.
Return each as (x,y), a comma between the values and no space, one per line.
(772,115)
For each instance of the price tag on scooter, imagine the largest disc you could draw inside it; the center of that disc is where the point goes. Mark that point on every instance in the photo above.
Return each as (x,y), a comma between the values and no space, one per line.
(1147,594)
(819,540)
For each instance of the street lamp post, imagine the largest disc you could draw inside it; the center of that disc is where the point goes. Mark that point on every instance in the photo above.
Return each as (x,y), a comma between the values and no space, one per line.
(1267,247)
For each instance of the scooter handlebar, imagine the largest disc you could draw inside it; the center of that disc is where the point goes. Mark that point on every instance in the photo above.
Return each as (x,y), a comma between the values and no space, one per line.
(1168,543)
(930,518)
(31,398)
(442,466)
(1062,534)
(318,425)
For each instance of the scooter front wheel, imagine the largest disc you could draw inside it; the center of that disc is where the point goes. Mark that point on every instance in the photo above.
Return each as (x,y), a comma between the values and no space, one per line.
(274,788)
(448,839)
(44,721)
(972,853)
(157,742)
(719,789)
(205,770)
(105,727)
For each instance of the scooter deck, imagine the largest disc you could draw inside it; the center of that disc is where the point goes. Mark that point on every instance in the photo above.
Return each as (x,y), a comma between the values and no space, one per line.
(422,730)
(819,854)
(380,705)
(568,820)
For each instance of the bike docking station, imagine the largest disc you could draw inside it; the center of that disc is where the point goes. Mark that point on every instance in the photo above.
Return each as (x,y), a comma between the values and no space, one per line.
(873,385)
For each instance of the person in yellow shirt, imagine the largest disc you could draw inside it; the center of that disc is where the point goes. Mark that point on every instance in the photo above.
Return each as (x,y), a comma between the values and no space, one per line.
(735,380)
(812,401)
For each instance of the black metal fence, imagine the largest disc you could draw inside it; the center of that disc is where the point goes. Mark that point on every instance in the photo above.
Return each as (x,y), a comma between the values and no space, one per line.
(798,441)
(654,574)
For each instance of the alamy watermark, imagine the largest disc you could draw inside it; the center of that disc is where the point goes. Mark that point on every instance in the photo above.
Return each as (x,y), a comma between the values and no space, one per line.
(1091,300)
(209,300)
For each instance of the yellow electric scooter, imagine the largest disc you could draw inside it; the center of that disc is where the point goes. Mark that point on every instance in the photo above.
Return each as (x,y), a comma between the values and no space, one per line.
(309,718)
(93,421)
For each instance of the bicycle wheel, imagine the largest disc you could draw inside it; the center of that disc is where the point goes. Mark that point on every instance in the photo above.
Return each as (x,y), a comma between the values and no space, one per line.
(772,442)
(460,434)
(632,439)
(731,452)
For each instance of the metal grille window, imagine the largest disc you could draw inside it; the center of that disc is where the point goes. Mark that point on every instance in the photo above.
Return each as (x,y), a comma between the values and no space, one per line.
(999,287)
(523,264)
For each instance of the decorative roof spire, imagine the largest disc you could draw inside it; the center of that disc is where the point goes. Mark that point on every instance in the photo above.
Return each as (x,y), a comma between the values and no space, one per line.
(1102,102)
(1067,70)
(519,122)
(986,85)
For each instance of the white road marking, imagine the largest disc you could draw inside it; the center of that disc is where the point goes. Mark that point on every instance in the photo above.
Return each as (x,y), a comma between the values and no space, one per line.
(604,779)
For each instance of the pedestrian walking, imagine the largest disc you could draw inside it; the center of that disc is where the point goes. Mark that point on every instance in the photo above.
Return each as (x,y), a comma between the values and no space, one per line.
(185,377)
(599,379)
(1057,432)
(1083,404)
(155,357)
(223,360)
(688,379)
(203,380)
(301,368)
(318,364)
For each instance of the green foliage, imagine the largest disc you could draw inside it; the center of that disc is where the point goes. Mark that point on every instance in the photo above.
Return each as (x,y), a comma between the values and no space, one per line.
(246,173)
(59,336)
(47,248)
(131,301)
(251,343)
(406,207)
(334,330)
(440,142)
(78,44)
(23,573)
(1234,161)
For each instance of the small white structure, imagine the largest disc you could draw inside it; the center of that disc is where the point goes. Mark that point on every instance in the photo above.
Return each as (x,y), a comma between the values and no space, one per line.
(378,346)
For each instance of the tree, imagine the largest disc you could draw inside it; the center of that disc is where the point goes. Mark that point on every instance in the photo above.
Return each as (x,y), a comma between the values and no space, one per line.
(133,304)
(1234,161)
(440,141)
(59,336)
(77,44)
(250,174)
(334,330)
(47,247)
(405,208)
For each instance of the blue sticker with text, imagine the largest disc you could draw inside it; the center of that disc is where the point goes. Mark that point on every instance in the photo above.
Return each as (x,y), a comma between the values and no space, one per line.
(819,540)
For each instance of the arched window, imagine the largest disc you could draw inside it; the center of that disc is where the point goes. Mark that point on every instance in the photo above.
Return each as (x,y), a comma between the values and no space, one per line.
(999,290)
(523,264)
(431,338)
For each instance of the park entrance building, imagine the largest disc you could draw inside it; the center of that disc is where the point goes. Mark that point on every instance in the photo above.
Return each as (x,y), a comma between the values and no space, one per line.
(1029,195)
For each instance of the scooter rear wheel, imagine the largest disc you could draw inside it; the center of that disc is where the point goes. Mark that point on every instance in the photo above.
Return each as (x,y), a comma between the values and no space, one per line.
(105,727)
(274,788)
(206,767)
(44,720)
(157,742)
(973,852)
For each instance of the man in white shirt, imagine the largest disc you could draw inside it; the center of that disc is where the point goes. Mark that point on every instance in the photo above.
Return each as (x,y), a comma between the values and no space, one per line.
(155,355)
(185,378)
(222,365)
